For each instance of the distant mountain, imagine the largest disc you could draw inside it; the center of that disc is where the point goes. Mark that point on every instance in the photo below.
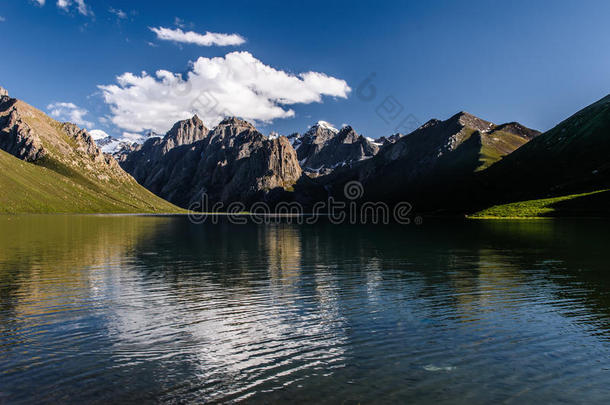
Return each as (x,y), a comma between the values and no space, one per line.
(434,162)
(323,148)
(48,166)
(233,162)
(111,145)
(572,157)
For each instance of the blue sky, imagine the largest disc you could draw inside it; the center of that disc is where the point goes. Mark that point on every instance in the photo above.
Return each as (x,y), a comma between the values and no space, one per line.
(530,61)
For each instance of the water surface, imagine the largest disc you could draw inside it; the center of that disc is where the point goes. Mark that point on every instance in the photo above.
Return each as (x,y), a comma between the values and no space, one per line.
(97,309)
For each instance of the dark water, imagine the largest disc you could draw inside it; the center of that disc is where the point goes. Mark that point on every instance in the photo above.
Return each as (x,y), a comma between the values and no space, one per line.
(126,309)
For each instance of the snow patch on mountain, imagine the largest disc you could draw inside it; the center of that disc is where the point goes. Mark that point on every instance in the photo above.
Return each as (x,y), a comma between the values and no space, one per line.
(110,144)
(97,134)
(326,125)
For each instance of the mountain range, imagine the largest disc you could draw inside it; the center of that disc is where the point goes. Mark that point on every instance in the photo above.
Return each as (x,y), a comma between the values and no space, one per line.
(432,166)
(461,165)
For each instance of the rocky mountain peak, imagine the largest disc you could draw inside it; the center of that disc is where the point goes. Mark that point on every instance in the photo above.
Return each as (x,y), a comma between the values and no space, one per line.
(186,131)
(347,134)
(321,129)
(235,122)
(322,148)
(232,126)
(385,141)
(3,92)
(430,123)
(517,129)
(325,125)
(468,120)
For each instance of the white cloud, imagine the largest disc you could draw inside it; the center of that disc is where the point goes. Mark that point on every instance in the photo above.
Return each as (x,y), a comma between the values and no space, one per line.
(69,112)
(191,37)
(2,19)
(120,14)
(80,5)
(235,85)
(40,2)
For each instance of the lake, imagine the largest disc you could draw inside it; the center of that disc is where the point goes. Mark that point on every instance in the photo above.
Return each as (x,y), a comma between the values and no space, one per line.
(97,309)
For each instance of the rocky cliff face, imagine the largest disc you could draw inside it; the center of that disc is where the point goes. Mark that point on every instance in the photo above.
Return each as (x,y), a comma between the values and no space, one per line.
(139,160)
(185,132)
(323,148)
(31,135)
(233,162)
(16,136)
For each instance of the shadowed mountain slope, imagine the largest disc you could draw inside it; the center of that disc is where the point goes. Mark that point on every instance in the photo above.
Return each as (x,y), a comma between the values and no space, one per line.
(433,166)
(572,157)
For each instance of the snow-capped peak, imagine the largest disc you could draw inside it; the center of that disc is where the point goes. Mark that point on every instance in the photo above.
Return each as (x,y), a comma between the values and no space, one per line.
(326,125)
(97,134)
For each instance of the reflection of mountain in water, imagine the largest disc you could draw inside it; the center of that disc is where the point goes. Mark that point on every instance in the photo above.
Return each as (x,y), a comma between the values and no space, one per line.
(225,311)
(43,257)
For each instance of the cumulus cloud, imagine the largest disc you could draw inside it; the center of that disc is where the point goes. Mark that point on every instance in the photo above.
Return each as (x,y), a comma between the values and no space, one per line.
(235,85)
(70,112)
(191,37)
(81,6)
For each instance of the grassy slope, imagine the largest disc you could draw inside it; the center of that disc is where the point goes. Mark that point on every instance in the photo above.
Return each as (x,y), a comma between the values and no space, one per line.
(497,145)
(564,172)
(29,188)
(593,204)
(69,179)
(570,158)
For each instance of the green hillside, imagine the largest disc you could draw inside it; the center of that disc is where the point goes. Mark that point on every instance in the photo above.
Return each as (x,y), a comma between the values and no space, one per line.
(593,204)
(51,167)
(30,188)
(571,158)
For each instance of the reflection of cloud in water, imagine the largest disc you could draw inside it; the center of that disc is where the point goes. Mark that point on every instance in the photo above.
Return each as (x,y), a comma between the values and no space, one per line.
(244,336)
